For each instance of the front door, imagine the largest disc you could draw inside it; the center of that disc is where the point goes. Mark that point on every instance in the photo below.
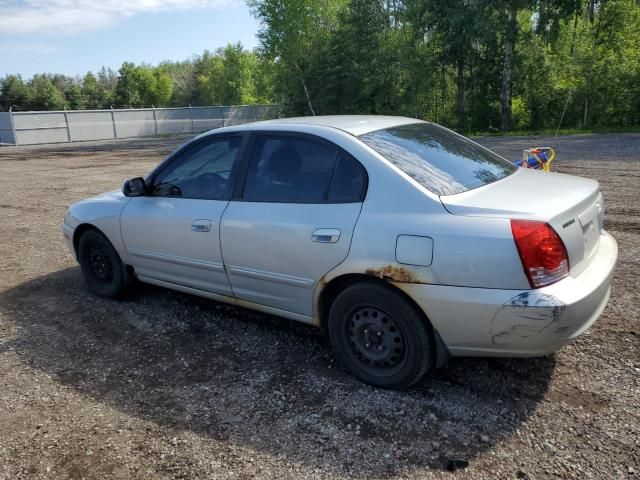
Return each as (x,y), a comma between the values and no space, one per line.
(293,221)
(173,233)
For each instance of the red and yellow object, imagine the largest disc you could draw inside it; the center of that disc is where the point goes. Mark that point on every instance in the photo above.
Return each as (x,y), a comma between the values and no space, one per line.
(539,158)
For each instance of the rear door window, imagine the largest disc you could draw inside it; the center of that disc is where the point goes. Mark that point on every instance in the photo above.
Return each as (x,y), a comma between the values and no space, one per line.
(349,181)
(440,160)
(292,169)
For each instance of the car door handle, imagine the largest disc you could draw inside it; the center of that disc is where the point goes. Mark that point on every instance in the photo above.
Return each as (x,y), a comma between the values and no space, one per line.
(201,225)
(326,235)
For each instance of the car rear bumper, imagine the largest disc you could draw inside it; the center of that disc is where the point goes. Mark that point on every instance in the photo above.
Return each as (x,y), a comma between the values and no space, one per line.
(525,323)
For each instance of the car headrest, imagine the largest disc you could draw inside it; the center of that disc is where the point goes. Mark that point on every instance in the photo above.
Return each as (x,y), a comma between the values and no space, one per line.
(285,163)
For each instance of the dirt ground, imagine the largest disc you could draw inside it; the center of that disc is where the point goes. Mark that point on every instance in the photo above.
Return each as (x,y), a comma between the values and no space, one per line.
(165,385)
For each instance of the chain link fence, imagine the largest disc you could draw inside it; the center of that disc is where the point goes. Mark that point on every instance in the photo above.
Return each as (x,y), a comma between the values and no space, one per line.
(32,128)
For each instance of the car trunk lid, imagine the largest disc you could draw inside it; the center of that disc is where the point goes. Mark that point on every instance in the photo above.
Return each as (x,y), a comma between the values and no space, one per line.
(571,205)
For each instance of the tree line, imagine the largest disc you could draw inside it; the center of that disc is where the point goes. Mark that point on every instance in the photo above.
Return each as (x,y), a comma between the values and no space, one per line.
(474,65)
(229,76)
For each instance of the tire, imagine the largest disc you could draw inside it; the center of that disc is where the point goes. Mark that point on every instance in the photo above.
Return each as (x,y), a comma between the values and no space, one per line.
(101,266)
(380,337)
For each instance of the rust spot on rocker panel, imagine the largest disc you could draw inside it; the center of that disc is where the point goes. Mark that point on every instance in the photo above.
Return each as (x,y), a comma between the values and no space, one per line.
(394,274)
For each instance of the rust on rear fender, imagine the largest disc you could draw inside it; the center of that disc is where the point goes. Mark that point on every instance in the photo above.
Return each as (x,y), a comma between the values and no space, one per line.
(394,274)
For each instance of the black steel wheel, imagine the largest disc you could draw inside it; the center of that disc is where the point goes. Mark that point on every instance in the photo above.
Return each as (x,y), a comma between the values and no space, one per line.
(380,336)
(376,339)
(101,266)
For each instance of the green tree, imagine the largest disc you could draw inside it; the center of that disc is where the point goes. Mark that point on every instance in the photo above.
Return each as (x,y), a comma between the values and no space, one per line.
(232,76)
(208,70)
(127,93)
(184,81)
(453,28)
(154,86)
(353,72)
(45,96)
(143,86)
(91,92)
(14,92)
(292,31)
(107,82)
(75,98)
(237,82)
(265,80)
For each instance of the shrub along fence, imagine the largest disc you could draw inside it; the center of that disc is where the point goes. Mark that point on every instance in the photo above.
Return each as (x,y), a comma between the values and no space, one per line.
(31,128)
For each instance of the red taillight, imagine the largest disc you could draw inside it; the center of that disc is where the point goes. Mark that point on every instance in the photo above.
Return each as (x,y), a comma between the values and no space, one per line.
(542,252)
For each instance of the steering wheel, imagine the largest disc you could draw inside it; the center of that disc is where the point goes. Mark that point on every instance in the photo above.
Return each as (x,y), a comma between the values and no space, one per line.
(211,181)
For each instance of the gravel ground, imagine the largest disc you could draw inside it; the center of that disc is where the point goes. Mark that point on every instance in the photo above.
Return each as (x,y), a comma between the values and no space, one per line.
(165,385)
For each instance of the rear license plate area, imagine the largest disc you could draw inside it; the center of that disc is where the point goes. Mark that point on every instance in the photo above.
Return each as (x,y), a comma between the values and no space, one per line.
(590,229)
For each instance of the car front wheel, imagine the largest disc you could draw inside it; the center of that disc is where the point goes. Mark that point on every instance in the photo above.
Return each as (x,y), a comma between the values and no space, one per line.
(101,266)
(380,336)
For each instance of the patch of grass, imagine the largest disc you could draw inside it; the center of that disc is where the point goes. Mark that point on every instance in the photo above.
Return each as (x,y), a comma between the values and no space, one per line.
(552,132)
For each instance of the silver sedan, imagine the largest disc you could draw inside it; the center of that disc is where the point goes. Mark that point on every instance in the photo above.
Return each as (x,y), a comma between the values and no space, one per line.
(407,242)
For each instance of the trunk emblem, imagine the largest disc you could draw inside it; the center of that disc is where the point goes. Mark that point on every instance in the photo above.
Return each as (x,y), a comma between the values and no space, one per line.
(570,222)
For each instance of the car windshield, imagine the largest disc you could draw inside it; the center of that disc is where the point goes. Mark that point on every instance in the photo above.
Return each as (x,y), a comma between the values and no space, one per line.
(440,160)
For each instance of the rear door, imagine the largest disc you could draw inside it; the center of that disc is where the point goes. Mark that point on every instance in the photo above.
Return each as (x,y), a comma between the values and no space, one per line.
(173,234)
(291,220)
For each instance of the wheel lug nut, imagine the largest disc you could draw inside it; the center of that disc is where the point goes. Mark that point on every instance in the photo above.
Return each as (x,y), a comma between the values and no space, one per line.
(367,345)
(379,334)
(379,347)
(366,330)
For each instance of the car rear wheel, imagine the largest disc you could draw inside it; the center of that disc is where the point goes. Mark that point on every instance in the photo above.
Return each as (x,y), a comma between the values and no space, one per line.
(101,266)
(380,336)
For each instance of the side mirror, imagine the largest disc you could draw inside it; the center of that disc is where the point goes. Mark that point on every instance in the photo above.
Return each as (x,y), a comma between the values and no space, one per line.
(136,187)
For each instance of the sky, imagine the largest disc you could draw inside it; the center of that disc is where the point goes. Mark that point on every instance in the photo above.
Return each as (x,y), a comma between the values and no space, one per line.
(75,36)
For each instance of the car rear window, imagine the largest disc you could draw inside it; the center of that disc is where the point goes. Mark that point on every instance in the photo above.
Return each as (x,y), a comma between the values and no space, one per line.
(440,160)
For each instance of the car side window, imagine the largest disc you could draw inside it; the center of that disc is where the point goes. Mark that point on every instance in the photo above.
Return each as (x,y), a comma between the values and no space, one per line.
(201,172)
(349,181)
(288,169)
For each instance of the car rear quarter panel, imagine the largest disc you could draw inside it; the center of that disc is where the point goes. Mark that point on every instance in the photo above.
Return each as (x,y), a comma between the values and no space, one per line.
(467,251)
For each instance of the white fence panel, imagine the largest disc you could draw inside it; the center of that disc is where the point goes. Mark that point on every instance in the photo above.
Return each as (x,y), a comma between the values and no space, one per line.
(207,118)
(40,127)
(29,128)
(36,120)
(173,120)
(6,129)
(134,123)
(90,125)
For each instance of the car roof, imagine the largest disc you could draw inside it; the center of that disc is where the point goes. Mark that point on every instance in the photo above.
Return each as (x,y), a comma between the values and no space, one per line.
(353,124)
